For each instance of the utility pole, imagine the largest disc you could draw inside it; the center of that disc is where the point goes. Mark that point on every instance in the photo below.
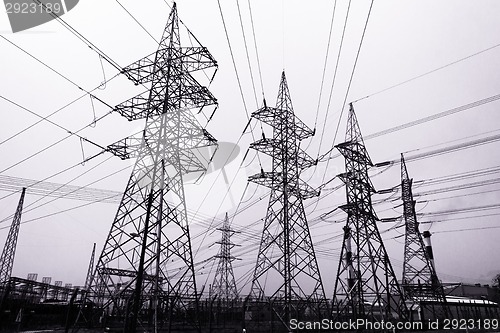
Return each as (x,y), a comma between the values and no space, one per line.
(421,285)
(145,272)
(286,275)
(366,286)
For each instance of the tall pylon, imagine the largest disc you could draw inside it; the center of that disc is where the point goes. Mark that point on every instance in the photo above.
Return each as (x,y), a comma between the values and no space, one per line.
(286,273)
(224,285)
(9,249)
(145,273)
(366,286)
(421,286)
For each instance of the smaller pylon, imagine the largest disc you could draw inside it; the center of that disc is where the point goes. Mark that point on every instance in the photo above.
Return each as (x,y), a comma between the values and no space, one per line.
(9,251)
(366,286)
(82,317)
(90,271)
(421,286)
(224,285)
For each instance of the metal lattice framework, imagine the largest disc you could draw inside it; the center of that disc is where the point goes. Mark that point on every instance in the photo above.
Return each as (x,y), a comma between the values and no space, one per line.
(286,260)
(224,285)
(150,229)
(90,270)
(9,249)
(366,286)
(420,282)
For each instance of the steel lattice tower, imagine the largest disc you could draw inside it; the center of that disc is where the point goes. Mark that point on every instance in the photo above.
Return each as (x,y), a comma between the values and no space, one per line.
(286,255)
(366,286)
(90,270)
(9,250)
(8,254)
(224,285)
(420,282)
(150,230)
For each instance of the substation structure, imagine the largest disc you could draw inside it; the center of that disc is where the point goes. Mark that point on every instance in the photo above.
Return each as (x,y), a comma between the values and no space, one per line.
(144,278)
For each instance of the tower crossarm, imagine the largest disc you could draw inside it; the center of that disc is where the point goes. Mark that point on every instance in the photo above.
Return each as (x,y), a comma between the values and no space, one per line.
(361,179)
(353,210)
(275,117)
(124,273)
(355,151)
(145,69)
(272,147)
(152,102)
(274,181)
(128,147)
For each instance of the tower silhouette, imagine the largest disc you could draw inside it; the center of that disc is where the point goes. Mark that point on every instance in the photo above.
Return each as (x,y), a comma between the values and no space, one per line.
(421,285)
(9,252)
(286,275)
(145,273)
(366,286)
(224,285)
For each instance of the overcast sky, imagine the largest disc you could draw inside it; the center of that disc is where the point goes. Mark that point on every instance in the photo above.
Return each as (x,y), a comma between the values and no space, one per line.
(403,40)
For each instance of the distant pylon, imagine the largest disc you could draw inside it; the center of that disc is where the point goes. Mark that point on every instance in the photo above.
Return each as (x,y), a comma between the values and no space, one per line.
(286,273)
(366,286)
(81,317)
(145,273)
(90,270)
(9,249)
(224,285)
(8,254)
(421,285)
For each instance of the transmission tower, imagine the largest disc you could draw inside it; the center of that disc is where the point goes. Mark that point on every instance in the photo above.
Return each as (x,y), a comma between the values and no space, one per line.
(133,284)
(90,270)
(286,260)
(366,286)
(9,249)
(421,285)
(224,285)
(82,317)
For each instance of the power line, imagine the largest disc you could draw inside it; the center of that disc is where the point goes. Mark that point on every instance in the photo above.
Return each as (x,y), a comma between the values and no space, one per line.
(256,50)
(136,21)
(106,196)
(49,189)
(58,212)
(60,172)
(80,36)
(51,122)
(437,116)
(467,229)
(325,64)
(352,75)
(421,121)
(54,144)
(247,54)
(347,91)
(427,73)
(334,78)
(65,78)
(236,72)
